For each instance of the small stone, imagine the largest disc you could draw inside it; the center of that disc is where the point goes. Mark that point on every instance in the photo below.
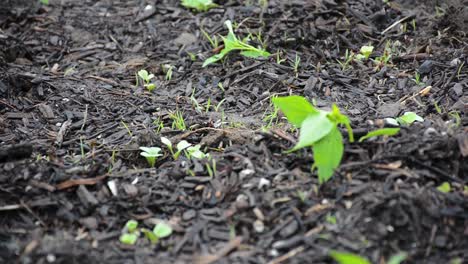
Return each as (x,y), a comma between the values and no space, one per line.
(264,183)
(89,222)
(245,173)
(258,226)
(426,67)
(289,230)
(189,215)
(440,241)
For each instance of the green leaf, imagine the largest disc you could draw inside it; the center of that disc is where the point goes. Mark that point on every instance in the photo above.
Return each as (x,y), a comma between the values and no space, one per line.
(151,151)
(348,258)
(162,230)
(143,75)
(314,128)
(380,132)
(327,154)
(398,258)
(366,51)
(44,2)
(295,108)
(166,142)
(408,118)
(339,118)
(255,53)
(150,235)
(131,225)
(231,43)
(183,145)
(444,187)
(199,5)
(129,239)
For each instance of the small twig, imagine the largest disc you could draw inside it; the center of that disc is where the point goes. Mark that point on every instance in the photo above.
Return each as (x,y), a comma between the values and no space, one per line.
(396,23)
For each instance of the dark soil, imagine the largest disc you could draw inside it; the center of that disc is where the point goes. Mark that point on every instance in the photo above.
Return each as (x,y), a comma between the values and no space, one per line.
(72,120)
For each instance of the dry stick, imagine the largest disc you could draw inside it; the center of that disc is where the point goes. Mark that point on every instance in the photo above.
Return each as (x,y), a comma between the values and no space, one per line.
(208,259)
(396,23)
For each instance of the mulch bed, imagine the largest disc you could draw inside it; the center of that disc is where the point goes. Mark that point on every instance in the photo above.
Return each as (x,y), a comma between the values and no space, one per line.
(72,121)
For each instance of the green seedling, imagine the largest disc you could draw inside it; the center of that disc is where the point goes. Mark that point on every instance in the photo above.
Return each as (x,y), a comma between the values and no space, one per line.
(297,62)
(444,187)
(150,154)
(365,52)
(159,124)
(417,78)
(348,258)
(181,146)
(178,121)
(199,5)
(231,43)
(195,152)
(406,119)
(146,77)
(168,70)
(213,40)
(278,58)
(319,130)
(347,60)
(44,2)
(130,233)
(384,60)
(380,132)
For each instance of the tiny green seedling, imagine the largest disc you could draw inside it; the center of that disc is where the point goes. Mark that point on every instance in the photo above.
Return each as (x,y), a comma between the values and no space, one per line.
(319,130)
(186,148)
(180,146)
(380,132)
(365,52)
(178,121)
(347,60)
(146,77)
(130,234)
(444,187)
(406,119)
(349,258)
(231,43)
(44,2)
(150,154)
(199,5)
(417,78)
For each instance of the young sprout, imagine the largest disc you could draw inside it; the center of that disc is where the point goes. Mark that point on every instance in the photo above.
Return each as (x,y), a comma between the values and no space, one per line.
(231,43)
(150,154)
(181,146)
(365,52)
(130,233)
(194,151)
(146,77)
(162,230)
(199,5)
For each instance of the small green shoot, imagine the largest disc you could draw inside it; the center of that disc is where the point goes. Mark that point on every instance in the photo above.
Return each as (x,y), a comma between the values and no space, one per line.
(146,77)
(397,258)
(347,60)
(279,60)
(181,146)
(319,130)
(348,258)
(297,62)
(213,40)
(231,43)
(130,234)
(365,52)
(199,5)
(44,2)
(195,152)
(131,226)
(409,118)
(150,154)
(129,238)
(417,78)
(162,230)
(168,70)
(444,187)
(380,132)
(178,121)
